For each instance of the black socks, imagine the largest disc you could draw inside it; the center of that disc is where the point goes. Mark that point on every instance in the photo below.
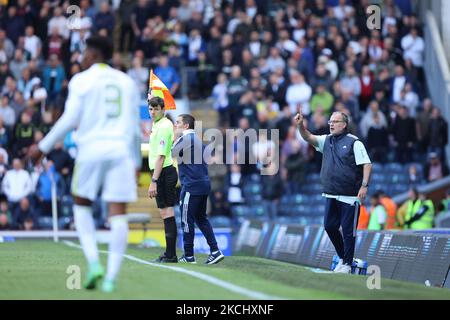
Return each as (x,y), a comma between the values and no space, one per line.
(170,228)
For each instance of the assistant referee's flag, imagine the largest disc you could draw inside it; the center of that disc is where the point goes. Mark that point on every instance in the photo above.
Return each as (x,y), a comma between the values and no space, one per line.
(159,89)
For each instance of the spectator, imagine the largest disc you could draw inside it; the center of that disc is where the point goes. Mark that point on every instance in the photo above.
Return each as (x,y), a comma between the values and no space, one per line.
(404,134)
(423,125)
(62,161)
(104,19)
(409,99)
(413,175)
(350,83)
(140,75)
(322,99)
(59,22)
(3,166)
(391,210)
(298,94)
(275,61)
(438,132)
(17,64)
(413,48)
(4,135)
(54,77)
(234,186)
(398,83)
(44,188)
(219,205)
(54,44)
(5,216)
(237,85)
(294,165)
(7,46)
(16,184)
(435,169)
(272,188)
(13,24)
(23,216)
(378,214)
(377,140)
(367,92)
(168,75)
(370,119)
(7,113)
(32,43)
(220,98)
(23,134)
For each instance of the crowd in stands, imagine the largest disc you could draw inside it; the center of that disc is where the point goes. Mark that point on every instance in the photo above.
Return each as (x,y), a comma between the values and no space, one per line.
(260,61)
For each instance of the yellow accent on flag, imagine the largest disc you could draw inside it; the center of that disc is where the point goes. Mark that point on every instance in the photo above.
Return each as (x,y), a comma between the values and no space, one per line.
(159,89)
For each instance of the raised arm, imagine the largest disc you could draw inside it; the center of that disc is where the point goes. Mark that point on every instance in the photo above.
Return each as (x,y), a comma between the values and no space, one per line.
(306,135)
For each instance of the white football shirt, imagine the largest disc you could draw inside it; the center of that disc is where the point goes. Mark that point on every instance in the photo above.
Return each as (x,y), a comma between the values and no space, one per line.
(103,107)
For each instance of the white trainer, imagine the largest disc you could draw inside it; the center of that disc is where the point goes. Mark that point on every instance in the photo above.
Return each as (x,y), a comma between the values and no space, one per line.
(339,265)
(345,268)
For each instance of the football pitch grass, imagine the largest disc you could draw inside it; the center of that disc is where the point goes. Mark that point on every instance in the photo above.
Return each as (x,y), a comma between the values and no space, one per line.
(37,269)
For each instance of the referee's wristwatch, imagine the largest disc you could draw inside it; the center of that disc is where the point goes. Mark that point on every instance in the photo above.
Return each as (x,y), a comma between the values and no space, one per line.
(365,184)
(154,180)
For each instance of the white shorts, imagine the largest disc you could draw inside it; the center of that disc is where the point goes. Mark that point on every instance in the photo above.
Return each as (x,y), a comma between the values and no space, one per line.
(116,178)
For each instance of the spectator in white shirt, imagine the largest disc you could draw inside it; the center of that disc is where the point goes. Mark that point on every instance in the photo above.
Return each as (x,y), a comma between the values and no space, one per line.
(350,82)
(398,83)
(409,99)
(413,48)
(343,11)
(298,93)
(60,22)
(32,43)
(16,184)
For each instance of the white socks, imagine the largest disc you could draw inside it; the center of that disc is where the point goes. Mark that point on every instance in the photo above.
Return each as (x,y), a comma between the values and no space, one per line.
(84,223)
(117,245)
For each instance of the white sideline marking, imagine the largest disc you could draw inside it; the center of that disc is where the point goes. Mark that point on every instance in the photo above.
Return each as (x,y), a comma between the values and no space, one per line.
(212,280)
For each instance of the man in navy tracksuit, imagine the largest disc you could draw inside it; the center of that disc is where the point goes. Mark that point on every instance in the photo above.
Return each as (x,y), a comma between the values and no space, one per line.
(195,187)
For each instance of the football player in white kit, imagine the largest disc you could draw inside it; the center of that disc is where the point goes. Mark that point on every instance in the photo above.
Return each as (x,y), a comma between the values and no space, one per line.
(103,107)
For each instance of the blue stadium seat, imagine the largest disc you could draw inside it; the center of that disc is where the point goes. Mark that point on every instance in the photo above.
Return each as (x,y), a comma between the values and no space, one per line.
(284,209)
(260,211)
(298,199)
(220,221)
(397,178)
(66,206)
(253,198)
(378,178)
(312,178)
(313,188)
(393,168)
(45,223)
(398,189)
(252,189)
(377,167)
(241,211)
(285,200)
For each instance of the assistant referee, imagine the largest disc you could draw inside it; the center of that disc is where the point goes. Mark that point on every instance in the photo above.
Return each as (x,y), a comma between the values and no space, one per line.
(164,174)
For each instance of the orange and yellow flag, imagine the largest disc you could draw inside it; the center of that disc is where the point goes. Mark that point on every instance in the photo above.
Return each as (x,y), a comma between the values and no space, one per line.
(159,89)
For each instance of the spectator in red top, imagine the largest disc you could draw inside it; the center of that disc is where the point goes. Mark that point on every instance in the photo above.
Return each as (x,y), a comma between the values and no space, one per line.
(366,80)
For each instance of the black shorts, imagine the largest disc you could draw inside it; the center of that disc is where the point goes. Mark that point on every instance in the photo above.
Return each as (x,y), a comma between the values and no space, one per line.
(165,188)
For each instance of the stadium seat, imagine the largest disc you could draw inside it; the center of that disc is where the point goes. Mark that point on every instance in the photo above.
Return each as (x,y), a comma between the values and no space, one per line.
(377,167)
(393,168)
(45,223)
(399,188)
(378,178)
(313,178)
(398,178)
(252,189)
(284,209)
(253,198)
(240,211)
(220,222)
(259,211)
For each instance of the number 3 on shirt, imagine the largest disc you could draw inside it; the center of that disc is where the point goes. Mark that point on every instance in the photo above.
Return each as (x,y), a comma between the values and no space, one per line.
(113,100)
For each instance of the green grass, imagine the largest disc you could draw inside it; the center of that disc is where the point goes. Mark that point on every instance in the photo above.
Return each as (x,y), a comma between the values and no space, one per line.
(37,270)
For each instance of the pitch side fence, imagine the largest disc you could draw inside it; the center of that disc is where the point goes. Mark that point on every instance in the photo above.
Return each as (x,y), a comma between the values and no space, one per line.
(406,256)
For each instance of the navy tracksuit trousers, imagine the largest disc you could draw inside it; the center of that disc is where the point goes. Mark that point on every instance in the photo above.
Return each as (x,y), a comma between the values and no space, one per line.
(193,209)
(338,214)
